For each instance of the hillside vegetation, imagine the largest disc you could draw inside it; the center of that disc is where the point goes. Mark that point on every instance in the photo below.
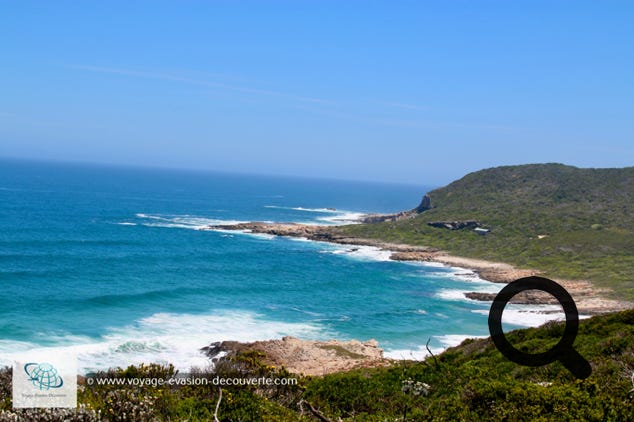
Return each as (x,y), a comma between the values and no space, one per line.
(470,382)
(565,221)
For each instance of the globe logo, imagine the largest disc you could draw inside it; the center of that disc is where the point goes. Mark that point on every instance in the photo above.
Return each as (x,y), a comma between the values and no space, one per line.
(43,375)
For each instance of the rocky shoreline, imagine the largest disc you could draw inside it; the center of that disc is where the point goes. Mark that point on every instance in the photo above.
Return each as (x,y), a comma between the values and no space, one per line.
(589,299)
(317,358)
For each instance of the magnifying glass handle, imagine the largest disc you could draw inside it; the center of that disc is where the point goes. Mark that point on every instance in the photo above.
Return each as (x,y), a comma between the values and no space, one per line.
(576,364)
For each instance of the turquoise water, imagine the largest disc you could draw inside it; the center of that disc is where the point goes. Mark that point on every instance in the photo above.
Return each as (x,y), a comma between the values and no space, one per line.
(109,263)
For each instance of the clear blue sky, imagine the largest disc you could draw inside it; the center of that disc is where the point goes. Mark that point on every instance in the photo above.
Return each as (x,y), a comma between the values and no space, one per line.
(419,92)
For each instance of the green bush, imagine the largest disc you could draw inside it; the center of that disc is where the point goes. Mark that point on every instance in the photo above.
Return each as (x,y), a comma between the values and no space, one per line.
(470,382)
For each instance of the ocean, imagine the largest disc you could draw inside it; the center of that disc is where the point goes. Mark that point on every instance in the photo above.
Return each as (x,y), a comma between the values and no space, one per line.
(109,263)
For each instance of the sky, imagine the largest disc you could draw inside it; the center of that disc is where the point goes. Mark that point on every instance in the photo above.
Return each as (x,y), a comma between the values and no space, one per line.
(417,92)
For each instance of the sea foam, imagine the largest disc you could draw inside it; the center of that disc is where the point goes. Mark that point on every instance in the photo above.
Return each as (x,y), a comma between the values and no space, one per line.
(183,221)
(322,210)
(362,253)
(335,217)
(165,338)
(530,315)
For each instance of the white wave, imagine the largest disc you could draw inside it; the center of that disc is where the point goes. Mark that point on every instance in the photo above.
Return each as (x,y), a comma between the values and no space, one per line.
(231,233)
(530,315)
(467,275)
(153,217)
(343,218)
(126,223)
(184,221)
(455,273)
(451,294)
(431,264)
(337,217)
(421,352)
(460,294)
(457,276)
(165,338)
(323,210)
(363,253)
(451,340)
(226,232)
(265,236)
(173,226)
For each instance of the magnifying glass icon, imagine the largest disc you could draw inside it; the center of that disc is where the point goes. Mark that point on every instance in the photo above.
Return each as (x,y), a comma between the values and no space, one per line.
(562,351)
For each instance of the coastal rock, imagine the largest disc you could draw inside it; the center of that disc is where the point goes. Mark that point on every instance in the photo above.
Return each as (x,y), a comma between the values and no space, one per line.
(527,297)
(379,218)
(308,357)
(213,350)
(424,205)
(412,256)
(484,297)
(586,296)
(329,234)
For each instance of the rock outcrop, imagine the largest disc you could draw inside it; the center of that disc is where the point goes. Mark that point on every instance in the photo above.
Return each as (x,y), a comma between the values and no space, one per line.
(413,255)
(308,357)
(379,218)
(455,225)
(424,205)
(528,297)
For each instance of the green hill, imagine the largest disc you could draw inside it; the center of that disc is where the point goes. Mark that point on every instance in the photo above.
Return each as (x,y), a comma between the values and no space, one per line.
(568,222)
